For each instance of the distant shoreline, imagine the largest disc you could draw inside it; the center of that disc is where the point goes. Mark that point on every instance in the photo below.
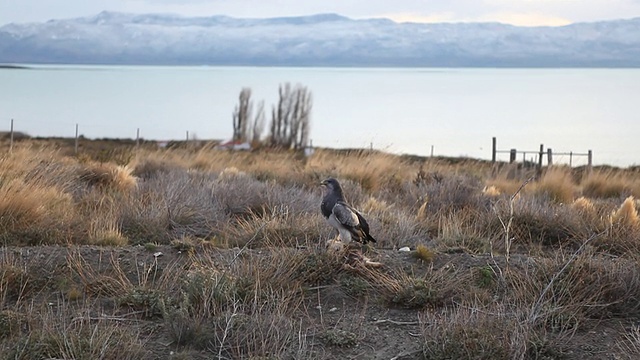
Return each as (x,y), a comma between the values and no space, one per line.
(41,65)
(15,67)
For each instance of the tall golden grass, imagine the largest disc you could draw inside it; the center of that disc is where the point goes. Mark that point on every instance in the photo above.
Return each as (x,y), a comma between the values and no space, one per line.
(626,216)
(556,183)
(254,280)
(610,184)
(162,195)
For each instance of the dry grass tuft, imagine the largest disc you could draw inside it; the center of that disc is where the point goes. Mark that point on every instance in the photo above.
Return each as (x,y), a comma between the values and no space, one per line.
(627,215)
(64,335)
(433,289)
(10,323)
(243,309)
(371,169)
(339,337)
(108,237)
(373,205)
(230,173)
(32,214)
(504,186)
(424,253)
(584,206)
(491,191)
(108,176)
(151,166)
(609,184)
(629,346)
(15,280)
(465,334)
(537,221)
(422,210)
(556,183)
(114,281)
(465,231)
(506,179)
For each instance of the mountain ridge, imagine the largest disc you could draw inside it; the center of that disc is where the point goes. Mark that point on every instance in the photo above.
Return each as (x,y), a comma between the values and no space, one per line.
(316,40)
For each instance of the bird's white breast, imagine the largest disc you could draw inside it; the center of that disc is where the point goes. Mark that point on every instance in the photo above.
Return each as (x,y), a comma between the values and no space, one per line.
(345,234)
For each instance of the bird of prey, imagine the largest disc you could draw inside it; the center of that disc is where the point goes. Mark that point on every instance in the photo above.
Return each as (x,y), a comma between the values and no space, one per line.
(350,224)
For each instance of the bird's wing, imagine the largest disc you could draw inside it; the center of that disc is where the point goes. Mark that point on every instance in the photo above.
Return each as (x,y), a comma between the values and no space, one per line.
(345,215)
(363,223)
(353,221)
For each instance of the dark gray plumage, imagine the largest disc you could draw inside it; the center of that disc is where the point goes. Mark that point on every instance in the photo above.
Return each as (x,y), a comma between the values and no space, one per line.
(350,224)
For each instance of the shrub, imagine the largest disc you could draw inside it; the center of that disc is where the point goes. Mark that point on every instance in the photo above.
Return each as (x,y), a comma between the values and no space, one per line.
(453,193)
(61,336)
(626,216)
(605,184)
(34,214)
(537,221)
(10,323)
(557,184)
(424,253)
(466,335)
(338,337)
(107,176)
(151,167)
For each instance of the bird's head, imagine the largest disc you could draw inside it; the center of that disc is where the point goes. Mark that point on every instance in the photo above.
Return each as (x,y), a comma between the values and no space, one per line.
(331,184)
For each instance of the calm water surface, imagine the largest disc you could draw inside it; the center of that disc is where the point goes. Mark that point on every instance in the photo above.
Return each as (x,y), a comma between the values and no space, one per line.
(456,111)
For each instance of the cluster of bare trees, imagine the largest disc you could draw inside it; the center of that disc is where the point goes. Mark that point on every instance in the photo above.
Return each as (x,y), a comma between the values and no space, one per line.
(245,127)
(290,119)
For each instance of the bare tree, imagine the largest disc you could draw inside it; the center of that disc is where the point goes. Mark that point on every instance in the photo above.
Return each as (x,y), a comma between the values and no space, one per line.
(258,124)
(291,118)
(242,116)
(301,122)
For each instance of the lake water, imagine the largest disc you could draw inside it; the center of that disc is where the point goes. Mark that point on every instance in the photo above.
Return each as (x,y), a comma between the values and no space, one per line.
(455,111)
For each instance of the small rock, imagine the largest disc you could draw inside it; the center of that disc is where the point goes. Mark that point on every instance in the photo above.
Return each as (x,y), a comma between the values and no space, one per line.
(159,253)
(404,249)
(333,309)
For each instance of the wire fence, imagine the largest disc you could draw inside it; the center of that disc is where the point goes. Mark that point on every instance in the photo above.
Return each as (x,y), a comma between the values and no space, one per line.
(527,157)
(537,157)
(15,134)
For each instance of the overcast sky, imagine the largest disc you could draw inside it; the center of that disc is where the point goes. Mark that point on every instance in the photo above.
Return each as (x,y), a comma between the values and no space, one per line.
(517,12)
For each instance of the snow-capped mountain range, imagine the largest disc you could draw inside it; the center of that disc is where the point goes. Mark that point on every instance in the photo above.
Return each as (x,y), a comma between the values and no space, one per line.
(318,40)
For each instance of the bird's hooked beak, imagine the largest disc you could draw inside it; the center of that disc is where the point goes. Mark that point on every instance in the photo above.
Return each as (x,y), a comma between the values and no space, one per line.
(323,183)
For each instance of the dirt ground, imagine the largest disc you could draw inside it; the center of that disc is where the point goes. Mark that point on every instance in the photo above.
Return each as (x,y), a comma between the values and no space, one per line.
(373,329)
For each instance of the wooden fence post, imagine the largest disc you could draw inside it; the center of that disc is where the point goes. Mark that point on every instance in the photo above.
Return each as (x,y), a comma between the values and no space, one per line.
(493,150)
(549,157)
(76,142)
(589,160)
(512,156)
(570,158)
(11,139)
(540,155)
(138,137)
